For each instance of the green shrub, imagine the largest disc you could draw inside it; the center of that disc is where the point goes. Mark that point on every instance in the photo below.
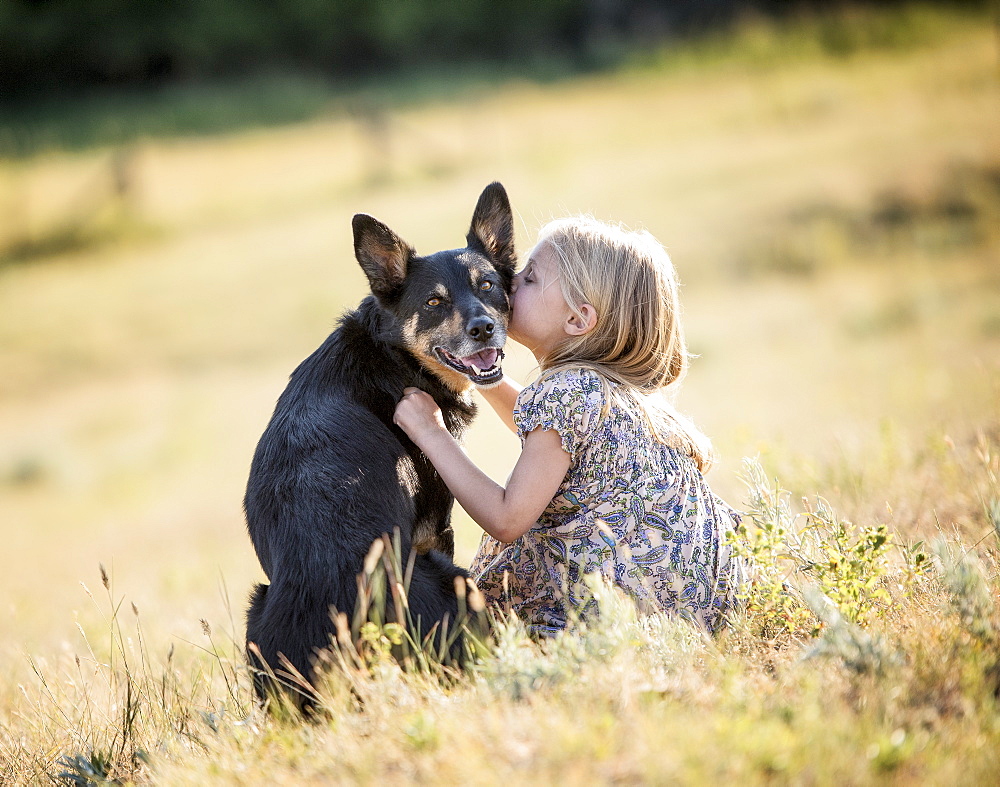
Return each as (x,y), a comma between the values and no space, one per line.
(790,552)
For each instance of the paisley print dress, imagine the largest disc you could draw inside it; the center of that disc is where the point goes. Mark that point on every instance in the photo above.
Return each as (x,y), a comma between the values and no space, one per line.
(632,507)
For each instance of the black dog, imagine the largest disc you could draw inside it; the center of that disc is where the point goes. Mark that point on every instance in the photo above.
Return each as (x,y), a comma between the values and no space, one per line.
(332,473)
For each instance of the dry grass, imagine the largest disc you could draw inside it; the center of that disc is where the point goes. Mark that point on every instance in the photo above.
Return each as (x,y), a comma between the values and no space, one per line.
(835,224)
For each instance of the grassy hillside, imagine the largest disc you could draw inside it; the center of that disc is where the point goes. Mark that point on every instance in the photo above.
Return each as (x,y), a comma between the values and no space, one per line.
(835,219)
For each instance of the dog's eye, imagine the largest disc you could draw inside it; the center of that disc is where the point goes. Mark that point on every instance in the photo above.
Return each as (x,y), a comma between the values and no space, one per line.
(433,301)
(486,286)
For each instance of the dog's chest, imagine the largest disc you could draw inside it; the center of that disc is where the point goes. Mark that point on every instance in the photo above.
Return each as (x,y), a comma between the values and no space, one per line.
(431,501)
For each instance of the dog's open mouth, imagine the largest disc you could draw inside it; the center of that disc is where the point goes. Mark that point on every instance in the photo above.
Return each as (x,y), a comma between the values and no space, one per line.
(482,368)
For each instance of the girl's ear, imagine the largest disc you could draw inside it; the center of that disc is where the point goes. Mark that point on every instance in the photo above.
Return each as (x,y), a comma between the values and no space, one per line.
(583,323)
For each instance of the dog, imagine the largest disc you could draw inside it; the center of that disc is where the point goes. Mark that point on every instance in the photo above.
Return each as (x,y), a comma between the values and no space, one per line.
(332,472)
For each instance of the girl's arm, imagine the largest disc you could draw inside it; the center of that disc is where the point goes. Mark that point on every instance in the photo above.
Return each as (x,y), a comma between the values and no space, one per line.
(502,398)
(506,514)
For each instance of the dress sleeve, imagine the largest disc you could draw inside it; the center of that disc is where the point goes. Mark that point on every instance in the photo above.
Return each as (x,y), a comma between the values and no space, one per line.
(567,402)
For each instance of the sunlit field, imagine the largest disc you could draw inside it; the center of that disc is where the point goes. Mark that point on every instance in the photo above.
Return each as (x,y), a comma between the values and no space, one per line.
(835,222)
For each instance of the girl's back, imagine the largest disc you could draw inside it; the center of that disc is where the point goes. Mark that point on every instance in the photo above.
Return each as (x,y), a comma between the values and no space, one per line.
(633,507)
(607,481)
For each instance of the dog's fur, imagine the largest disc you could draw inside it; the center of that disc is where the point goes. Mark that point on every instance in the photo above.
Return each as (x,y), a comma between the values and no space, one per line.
(332,473)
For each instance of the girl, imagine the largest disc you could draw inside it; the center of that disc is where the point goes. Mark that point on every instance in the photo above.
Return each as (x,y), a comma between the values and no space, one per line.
(610,477)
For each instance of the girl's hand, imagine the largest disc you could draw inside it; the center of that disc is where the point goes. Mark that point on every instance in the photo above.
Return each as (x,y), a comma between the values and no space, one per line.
(506,514)
(418,415)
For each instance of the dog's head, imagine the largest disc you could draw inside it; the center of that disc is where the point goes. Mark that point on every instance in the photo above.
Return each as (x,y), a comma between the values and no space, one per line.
(450,307)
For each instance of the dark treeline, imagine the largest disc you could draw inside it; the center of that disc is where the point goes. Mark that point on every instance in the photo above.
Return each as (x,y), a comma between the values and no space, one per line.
(58,45)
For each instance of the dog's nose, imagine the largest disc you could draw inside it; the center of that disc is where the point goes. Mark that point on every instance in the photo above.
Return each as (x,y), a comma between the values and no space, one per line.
(481,329)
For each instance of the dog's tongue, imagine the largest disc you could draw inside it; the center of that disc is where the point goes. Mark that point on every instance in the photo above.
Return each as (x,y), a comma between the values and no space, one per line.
(484,359)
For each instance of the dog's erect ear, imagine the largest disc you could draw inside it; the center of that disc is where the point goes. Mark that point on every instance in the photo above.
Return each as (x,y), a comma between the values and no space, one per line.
(492,230)
(382,253)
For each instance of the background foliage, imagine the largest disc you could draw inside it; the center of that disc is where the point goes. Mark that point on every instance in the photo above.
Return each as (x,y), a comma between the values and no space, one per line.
(66,44)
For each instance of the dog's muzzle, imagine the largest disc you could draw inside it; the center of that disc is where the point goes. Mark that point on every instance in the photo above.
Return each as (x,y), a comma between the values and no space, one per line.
(483,367)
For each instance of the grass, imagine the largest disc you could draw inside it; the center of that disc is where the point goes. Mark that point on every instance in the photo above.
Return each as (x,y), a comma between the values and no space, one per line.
(833,219)
(910,696)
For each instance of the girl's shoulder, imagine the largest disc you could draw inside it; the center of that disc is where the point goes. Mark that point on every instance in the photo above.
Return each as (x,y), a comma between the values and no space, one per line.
(564,386)
(568,400)
(568,378)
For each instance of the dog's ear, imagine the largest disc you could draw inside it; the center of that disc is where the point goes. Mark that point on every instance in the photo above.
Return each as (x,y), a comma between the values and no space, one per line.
(383,255)
(492,230)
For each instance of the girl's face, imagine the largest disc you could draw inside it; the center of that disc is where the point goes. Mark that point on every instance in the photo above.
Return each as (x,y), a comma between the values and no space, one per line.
(539,313)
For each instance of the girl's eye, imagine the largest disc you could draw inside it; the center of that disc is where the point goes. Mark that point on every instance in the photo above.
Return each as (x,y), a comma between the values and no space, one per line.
(486,286)
(433,301)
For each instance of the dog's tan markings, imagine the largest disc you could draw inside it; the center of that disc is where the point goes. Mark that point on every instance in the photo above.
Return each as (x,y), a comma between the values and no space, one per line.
(458,382)
(409,331)
(406,474)
(425,536)
(422,346)
(452,326)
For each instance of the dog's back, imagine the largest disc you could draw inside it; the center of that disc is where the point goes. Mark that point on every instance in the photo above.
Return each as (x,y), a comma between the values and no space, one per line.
(324,484)
(332,473)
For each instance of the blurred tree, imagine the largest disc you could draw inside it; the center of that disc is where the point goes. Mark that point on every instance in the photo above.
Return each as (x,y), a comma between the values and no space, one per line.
(58,45)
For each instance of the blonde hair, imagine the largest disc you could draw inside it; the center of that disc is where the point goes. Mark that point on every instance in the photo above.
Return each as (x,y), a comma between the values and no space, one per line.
(638,340)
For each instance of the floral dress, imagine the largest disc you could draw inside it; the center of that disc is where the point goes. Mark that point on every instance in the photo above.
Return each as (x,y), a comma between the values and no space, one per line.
(632,508)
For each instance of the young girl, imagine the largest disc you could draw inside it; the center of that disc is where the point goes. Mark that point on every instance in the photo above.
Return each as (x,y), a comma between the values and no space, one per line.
(610,477)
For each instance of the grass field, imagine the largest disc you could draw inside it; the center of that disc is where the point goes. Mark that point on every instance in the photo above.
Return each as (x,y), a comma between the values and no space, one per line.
(835,220)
